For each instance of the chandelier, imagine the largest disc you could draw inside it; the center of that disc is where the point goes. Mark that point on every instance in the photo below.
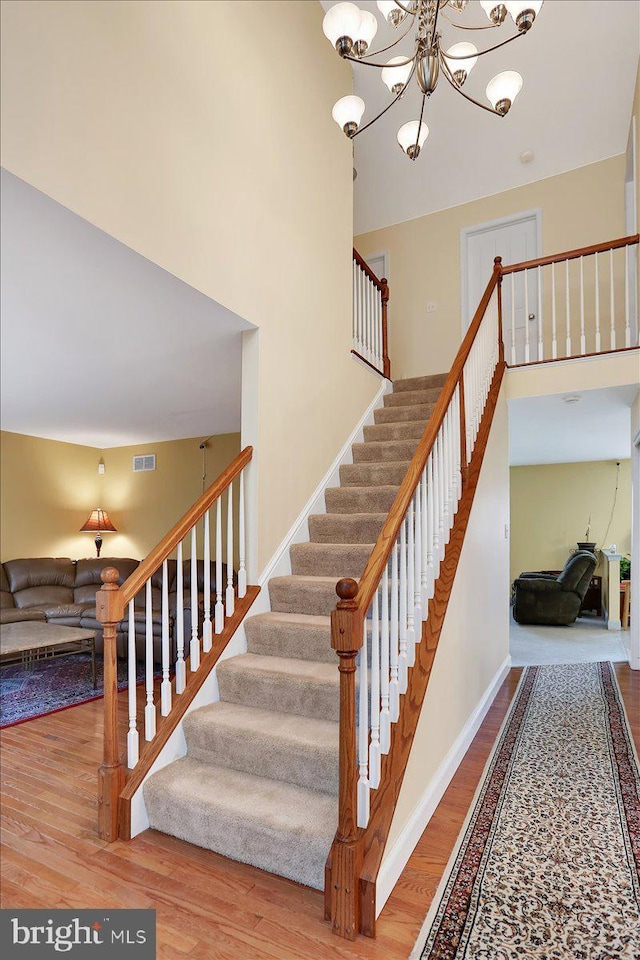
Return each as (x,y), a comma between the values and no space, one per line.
(351,31)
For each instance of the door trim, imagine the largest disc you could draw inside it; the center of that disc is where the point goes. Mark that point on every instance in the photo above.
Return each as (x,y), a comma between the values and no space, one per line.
(384,255)
(466,233)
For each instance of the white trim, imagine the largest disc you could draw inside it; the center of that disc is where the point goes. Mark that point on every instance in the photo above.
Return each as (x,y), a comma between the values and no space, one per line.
(396,860)
(467,232)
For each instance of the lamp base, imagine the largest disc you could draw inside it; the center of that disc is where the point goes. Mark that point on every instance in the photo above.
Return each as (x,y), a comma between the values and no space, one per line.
(98,543)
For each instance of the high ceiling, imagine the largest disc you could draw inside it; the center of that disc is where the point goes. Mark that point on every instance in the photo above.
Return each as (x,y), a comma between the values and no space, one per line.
(579,66)
(99,345)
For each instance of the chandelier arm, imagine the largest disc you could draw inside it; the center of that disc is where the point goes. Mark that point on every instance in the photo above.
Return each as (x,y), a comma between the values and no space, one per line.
(411,13)
(388,107)
(424,97)
(464,26)
(496,46)
(377,53)
(466,96)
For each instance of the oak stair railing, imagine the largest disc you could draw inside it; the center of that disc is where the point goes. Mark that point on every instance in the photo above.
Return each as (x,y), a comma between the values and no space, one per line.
(211,613)
(390,621)
(578,303)
(370,300)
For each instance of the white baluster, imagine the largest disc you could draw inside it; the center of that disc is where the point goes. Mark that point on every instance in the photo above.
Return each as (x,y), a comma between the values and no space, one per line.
(441,498)
(149,710)
(354,277)
(411,580)
(567,344)
(612,303)
(597,298)
(207,630)
(362,316)
(242,571)
(385,693)
(219,607)
(194,648)
(363,733)
(133,739)
(446,527)
(540,317)
(513,319)
(394,686)
(527,349)
(554,332)
(165,686)
(420,564)
(583,339)
(374,748)
(432,539)
(402,658)
(181,670)
(230,600)
(627,302)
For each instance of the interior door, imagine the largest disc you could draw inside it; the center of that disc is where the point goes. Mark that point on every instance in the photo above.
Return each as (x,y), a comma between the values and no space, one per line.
(514,241)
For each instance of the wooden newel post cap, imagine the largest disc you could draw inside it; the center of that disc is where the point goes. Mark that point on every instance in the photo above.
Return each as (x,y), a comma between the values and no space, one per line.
(497,261)
(109,577)
(347,589)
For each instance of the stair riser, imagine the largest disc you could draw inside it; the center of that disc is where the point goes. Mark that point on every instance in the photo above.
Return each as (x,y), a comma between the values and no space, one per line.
(406,398)
(286,640)
(329,559)
(409,430)
(345,527)
(314,768)
(383,452)
(306,698)
(399,414)
(373,474)
(375,500)
(413,384)
(318,601)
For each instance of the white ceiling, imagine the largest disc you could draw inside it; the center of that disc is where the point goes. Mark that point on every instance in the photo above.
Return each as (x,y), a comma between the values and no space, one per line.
(579,66)
(548,430)
(99,345)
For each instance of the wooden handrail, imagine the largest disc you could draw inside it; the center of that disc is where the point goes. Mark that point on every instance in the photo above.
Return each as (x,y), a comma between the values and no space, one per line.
(364,266)
(133,584)
(381,552)
(572,254)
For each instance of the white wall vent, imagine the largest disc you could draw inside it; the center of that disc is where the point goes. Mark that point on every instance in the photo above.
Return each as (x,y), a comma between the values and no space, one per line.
(147,462)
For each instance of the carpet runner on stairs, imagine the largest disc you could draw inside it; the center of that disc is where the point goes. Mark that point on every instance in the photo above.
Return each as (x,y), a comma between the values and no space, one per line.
(259,782)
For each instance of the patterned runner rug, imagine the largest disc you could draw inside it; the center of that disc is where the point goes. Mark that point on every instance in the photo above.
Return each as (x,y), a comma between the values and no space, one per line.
(546,866)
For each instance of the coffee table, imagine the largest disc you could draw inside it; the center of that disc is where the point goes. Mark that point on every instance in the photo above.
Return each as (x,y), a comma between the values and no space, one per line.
(30,640)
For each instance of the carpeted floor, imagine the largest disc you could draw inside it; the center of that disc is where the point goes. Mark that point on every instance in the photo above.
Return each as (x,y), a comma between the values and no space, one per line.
(546,867)
(50,686)
(585,641)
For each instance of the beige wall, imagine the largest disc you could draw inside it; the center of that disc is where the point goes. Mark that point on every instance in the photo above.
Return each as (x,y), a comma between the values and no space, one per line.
(474,643)
(581,207)
(550,509)
(200,134)
(48,490)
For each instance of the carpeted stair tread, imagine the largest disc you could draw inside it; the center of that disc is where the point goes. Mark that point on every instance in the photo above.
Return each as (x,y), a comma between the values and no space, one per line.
(405,430)
(380,451)
(295,635)
(281,746)
(401,414)
(330,559)
(410,398)
(377,499)
(373,474)
(303,687)
(275,826)
(346,527)
(420,383)
(312,595)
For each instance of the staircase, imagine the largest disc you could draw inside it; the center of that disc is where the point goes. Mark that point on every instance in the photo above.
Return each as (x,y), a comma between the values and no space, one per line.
(259,783)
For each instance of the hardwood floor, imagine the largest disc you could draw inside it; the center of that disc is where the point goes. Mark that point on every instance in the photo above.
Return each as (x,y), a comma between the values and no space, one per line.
(208,908)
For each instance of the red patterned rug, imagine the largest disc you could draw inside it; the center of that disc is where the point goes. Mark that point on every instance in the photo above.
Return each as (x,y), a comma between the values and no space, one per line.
(52,685)
(547,864)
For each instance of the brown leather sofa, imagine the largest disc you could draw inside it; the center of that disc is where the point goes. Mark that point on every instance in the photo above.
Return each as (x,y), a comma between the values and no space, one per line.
(63,591)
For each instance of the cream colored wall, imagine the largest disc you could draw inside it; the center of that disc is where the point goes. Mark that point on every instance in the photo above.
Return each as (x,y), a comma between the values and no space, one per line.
(581,207)
(550,509)
(474,642)
(200,134)
(48,490)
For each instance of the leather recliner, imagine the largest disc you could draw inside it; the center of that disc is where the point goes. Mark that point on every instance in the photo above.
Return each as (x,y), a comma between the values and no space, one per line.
(545,599)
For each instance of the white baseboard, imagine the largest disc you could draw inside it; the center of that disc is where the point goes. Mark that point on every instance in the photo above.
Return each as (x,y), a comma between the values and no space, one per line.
(396,860)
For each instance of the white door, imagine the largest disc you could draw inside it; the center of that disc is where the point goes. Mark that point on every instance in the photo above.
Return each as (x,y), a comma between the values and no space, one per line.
(515,239)
(378,264)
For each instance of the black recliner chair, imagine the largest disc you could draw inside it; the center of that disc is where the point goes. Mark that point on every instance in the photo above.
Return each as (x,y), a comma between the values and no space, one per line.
(546,599)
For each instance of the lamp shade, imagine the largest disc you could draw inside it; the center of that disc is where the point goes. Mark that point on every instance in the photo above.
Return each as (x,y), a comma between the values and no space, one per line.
(368,27)
(98,522)
(347,113)
(389,7)
(516,7)
(342,20)
(396,76)
(503,90)
(466,50)
(408,134)
(494,9)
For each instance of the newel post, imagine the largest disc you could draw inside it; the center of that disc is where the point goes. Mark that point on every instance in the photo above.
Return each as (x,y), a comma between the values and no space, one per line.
(386,363)
(346,858)
(497,266)
(109,611)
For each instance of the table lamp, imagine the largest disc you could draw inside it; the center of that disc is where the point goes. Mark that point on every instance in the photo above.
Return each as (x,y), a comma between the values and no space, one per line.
(98,522)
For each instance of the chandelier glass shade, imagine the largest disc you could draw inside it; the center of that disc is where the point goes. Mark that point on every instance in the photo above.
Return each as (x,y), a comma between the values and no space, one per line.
(351,31)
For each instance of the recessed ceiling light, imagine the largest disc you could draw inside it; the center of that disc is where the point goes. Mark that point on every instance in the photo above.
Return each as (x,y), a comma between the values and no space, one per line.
(572,398)
(526,156)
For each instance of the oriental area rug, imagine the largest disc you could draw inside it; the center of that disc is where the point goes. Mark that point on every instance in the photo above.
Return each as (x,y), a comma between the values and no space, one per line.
(546,866)
(52,685)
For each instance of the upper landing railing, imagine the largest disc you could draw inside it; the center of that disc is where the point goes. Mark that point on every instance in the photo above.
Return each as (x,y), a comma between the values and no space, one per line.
(370,299)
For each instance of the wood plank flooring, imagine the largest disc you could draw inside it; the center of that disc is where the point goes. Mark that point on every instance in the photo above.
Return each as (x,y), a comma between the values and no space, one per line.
(208,908)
